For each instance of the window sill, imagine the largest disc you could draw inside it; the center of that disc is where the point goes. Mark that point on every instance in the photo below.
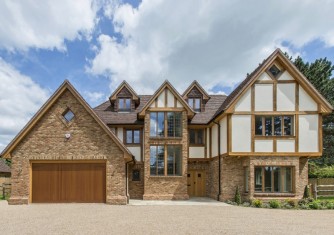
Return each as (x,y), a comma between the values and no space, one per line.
(274,137)
(165,138)
(274,194)
(165,177)
(196,145)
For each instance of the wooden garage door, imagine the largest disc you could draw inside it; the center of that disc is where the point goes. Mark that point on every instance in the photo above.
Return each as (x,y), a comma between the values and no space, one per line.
(68,182)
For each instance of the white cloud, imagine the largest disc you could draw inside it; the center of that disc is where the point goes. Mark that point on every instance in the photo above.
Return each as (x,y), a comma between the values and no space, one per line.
(20,98)
(45,24)
(214,42)
(94,97)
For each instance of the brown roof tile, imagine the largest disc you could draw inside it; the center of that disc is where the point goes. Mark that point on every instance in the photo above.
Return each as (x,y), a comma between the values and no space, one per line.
(210,108)
(107,113)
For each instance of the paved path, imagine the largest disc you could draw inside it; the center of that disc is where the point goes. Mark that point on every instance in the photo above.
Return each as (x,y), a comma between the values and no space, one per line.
(160,219)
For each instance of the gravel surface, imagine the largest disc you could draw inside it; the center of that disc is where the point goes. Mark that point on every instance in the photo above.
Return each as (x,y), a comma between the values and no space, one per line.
(160,219)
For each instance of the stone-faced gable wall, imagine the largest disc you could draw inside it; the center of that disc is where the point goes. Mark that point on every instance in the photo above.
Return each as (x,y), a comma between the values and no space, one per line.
(46,141)
(165,187)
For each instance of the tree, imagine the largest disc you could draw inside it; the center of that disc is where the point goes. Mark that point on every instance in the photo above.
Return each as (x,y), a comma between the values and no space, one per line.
(319,73)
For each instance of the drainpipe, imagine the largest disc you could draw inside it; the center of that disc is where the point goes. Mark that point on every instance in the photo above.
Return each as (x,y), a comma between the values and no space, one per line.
(126,176)
(219,164)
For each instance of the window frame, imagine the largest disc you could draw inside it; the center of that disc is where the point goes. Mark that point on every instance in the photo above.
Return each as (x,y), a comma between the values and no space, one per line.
(65,113)
(123,100)
(125,134)
(165,161)
(193,106)
(263,121)
(165,125)
(133,174)
(272,184)
(196,137)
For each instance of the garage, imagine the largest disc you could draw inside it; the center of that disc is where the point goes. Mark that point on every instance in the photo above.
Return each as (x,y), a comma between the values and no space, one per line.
(68,182)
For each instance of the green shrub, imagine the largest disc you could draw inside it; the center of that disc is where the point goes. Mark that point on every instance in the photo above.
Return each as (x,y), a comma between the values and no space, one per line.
(274,204)
(316,171)
(330,205)
(237,197)
(291,203)
(314,205)
(257,203)
(306,192)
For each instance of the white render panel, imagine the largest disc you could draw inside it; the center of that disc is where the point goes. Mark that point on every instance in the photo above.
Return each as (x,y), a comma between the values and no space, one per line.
(196,152)
(170,99)
(263,97)
(286,76)
(178,104)
(287,146)
(214,139)
(264,77)
(207,141)
(306,103)
(308,133)
(136,151)
(223,135)
(286,98)
(241,133)
(161,100)
(265,146)
(244,103)
(120,133)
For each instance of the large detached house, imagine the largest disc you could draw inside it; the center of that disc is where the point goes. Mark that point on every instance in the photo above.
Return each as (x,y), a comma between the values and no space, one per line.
(173,146)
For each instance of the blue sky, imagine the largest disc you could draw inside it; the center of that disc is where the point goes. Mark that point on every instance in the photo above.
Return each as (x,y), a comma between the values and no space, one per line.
(96,44)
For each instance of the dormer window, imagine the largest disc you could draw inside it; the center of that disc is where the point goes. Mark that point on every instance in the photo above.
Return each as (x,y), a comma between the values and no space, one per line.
(195,104)
(124,104)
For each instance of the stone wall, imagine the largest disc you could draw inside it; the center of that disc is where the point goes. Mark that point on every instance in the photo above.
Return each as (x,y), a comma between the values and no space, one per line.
(136,188)
(88,141)
(232,176)
(300,176)
(213,178)
(165,187)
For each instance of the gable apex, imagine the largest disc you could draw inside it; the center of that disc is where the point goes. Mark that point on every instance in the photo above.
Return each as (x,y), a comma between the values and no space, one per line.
(196,85)
(122,86)
(65,86)
(276,56)
(169,86)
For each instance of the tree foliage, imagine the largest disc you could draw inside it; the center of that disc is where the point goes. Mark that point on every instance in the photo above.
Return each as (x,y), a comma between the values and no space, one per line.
(319,73)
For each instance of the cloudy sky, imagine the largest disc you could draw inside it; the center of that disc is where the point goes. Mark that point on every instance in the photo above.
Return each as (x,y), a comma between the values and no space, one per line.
(96,44)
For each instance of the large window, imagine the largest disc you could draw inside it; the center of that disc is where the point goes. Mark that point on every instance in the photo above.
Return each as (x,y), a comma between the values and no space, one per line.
(274,125)
(169,166)
(132,136)
(124,104)
(196,136)
(272,179)
(166,124)
(195,104)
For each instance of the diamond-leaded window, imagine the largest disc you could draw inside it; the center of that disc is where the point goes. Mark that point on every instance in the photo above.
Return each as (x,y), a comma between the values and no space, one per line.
(68,115)
(274,71)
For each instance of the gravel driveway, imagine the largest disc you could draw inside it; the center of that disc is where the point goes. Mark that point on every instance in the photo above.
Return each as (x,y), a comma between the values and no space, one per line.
(160,219)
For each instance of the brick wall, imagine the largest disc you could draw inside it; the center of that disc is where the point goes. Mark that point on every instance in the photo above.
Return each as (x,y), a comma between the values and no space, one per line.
(136,188)
(88,141)
(165,187)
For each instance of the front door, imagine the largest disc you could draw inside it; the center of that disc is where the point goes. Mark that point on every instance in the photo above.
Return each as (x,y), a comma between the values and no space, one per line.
(196,183)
